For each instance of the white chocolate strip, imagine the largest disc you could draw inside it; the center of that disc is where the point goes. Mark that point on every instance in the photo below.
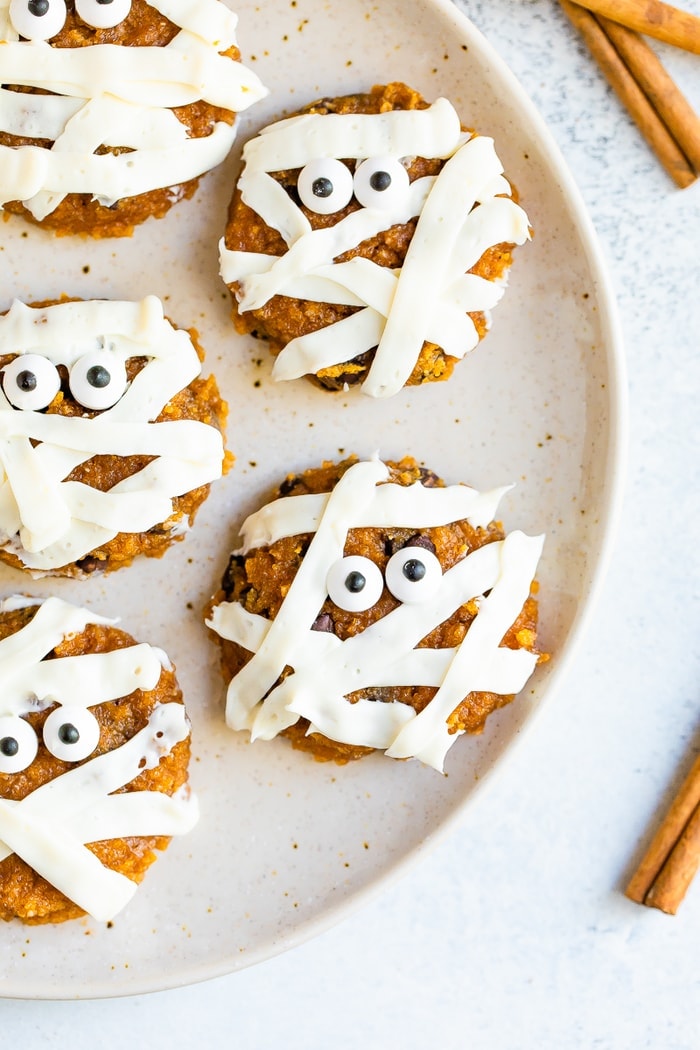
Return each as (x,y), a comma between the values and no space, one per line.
(392,505)
(291,143)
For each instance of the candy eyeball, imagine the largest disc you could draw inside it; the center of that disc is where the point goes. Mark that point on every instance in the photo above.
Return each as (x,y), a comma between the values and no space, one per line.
(413,574)
(97,380)
(381,182)
(354,583)
(103,14)
(325,186)
(30,382)
(18,744)
(71,733)
(37,19)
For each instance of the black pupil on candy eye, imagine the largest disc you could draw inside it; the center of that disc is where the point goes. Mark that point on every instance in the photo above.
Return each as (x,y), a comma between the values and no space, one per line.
(322,187)
(414,570)
(68,734)
(38,7)
(9,746)
(98,376)
(26,380)
(380,180)
(355,582)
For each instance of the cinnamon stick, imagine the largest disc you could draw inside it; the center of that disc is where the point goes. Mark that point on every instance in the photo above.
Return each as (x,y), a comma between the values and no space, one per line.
(668,101)
(669,887)
(655,132)
(652,18)
(673,856)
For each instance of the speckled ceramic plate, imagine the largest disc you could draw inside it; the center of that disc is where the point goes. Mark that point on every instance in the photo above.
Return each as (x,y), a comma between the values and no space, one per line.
(285,845)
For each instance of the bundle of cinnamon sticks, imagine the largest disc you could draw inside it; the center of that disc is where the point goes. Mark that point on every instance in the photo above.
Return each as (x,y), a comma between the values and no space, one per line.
(614,31)
(673,856)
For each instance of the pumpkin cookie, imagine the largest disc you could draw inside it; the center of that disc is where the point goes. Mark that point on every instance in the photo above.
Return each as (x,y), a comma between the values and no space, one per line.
(110,436)
(371,606)
(368,238)
(111,110)
(94,750)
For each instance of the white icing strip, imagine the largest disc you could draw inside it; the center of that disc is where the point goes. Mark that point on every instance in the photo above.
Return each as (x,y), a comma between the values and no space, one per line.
(63,860)
(7,30)
(101,121)
(307,592)
(267,197)
(85,680)
(312,352)
(178,74)
(496,217)
(425,271)
(35,116)
(38,828)
(392,506)
(231,621)
(108,177)
(99,436)
(125,815)
(41,509)
(27,681)
(432,132)
(59,522)
(211,20)
(53,621)
(71,328)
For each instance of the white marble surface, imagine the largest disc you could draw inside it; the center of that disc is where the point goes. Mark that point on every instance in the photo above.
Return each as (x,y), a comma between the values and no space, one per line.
(514,932)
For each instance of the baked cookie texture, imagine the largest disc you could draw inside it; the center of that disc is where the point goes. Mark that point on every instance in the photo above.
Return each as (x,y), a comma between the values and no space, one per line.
(372,607)
(111,435)
(94,753)
(368,238)
(111,110)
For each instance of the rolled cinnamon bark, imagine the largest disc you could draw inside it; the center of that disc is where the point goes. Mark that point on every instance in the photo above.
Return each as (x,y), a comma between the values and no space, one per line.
(673,856)
(655,132)
(652,18)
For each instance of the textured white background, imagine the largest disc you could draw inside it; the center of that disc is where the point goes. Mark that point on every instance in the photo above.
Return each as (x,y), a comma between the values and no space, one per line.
(514,932)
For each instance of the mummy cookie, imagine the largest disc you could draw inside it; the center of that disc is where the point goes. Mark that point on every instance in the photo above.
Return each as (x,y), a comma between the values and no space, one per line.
(94,749)
(111,110)
(373,607)
(368,240)
(109,436)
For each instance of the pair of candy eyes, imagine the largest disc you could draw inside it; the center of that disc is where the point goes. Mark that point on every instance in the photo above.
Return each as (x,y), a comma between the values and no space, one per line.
(97,381)
(356,583)
(326,185)
(43,19)
(69,733)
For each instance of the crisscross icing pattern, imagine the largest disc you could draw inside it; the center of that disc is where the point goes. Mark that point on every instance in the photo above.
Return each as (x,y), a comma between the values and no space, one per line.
(49,522)
(49,828)
(498,576)
(106,95)
(429,298)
